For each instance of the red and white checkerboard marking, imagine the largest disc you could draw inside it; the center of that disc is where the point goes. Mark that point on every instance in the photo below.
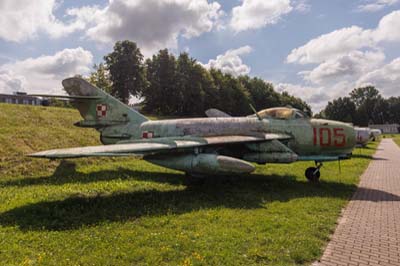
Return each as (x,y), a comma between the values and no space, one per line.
(147,135)
(101,110)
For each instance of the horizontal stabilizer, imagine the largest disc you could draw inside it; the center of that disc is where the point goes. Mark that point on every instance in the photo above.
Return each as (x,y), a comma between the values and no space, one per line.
(73,97)
(216,113)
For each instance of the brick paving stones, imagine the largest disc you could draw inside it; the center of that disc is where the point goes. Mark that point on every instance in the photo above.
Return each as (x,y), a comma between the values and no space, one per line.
(368,233)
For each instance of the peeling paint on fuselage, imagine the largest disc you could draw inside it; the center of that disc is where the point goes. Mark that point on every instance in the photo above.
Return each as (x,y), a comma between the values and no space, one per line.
(302,131)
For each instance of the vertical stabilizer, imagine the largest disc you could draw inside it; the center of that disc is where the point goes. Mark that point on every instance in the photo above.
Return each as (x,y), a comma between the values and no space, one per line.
(115,120)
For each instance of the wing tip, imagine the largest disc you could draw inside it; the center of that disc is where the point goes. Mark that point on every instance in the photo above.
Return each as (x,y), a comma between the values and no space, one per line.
(37,155)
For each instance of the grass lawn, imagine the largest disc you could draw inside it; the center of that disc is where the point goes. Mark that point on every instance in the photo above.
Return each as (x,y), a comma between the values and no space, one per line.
(129,212)
(395,137)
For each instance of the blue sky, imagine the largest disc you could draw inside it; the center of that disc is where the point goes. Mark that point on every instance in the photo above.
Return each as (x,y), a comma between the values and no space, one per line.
(317,50)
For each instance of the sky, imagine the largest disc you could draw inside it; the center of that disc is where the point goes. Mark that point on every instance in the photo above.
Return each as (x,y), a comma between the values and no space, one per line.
(317,50)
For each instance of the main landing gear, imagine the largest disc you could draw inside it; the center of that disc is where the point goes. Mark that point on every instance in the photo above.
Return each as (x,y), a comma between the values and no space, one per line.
(313,173)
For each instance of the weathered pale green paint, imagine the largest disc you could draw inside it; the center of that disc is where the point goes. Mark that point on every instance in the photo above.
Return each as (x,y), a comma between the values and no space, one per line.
(219,144)
(300,130)
(120,122)
(203,163)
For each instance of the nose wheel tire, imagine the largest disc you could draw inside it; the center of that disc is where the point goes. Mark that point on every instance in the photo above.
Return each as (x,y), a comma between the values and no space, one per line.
(313,174)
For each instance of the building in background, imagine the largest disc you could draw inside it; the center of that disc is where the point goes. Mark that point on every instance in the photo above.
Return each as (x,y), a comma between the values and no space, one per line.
(20,98)
(386,128)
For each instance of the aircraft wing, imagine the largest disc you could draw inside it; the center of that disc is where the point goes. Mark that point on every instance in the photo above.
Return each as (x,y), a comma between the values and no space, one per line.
(71,97)
(151,146)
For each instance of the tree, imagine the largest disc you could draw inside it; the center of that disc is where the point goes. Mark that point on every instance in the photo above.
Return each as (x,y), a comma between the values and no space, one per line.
(341,109)
(365,99)
(380,111)
(363,95)
(262,94)
(233,96)
(127,73)
(210,92)
(101,78)
(181,86)
(197,90)
(393,115)
(160,94)
(288,100)
(320,115)
(178,86)
(364,106)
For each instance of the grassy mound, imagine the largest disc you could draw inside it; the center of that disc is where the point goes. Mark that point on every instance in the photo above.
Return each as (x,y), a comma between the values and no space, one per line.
(129,212)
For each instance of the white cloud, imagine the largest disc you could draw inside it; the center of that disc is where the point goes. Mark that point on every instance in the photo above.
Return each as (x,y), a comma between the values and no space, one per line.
(255,14)
(343,41)
(302,6)
(23,20)
(231,62)
(386,78)
(10,83)
(153,24)
(327,46)
(316,97)
(44,74)
(376,5)
(350,57)
(349,66)
(388,28)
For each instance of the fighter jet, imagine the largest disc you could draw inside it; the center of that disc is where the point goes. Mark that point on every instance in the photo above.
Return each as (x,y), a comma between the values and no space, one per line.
(219,145)
(363,136)
(375,134)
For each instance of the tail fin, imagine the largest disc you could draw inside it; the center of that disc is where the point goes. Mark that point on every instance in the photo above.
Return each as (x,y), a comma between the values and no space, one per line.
(115,120)
(97,107)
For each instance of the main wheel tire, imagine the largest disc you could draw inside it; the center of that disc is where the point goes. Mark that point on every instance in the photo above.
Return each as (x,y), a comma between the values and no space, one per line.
(312,174)
(309,173)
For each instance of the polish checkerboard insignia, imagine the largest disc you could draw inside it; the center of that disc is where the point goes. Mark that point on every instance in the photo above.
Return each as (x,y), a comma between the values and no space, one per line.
(101,110)
(147,134)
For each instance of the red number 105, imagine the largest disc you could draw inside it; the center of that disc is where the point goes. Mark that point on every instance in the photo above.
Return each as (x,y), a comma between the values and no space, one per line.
(327,137)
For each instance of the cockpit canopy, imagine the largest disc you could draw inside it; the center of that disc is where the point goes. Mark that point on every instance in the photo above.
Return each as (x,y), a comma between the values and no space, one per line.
(283,113)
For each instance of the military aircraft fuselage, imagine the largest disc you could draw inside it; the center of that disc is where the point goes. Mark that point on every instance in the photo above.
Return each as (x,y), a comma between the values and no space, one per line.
(219,144)
(308,136)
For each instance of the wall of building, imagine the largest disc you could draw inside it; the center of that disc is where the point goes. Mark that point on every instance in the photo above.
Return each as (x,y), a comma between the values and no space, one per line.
(387,128)
(19,99)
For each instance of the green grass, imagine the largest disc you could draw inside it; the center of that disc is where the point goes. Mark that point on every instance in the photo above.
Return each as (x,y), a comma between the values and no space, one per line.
(395,137)
(129,212)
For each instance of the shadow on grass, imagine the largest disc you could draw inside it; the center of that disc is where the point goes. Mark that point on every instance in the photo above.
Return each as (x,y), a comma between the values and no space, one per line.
(369,157)
(240,192)
(66,173)
(366,148)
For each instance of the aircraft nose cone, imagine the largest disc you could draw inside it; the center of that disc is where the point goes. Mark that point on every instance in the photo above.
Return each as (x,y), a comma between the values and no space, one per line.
(350,133)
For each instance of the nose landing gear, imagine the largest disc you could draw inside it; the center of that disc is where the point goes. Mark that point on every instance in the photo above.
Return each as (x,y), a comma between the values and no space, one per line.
(313,173)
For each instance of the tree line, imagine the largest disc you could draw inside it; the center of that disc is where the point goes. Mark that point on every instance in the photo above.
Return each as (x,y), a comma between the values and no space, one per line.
(180,86)
(363,106)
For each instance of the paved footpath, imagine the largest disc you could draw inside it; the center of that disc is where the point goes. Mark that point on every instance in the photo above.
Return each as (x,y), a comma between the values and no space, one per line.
(369,230)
